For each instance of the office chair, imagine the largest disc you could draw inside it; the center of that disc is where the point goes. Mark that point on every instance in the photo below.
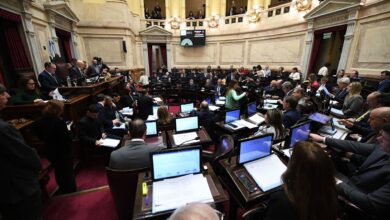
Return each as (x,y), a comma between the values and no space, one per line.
(255,213)
(351,211)
(224,147)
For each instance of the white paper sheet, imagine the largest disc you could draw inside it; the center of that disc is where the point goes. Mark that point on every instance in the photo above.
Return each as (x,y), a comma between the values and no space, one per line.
(256,118)
(172,193)
(219,102)
(213,108)
(157,99)
(266,171)
(151,118)
(185,137)
(336,111)
(109,142)
(287,152)
(271,101)
(269,106)
(122,126)
(244,123)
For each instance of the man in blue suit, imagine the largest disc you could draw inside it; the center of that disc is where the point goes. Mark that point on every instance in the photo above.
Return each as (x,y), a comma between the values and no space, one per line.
(291,115)
(384,85)
(369,186)
(48,79)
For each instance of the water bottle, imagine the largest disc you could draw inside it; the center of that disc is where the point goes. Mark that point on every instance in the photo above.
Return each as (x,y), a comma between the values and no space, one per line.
(68,81)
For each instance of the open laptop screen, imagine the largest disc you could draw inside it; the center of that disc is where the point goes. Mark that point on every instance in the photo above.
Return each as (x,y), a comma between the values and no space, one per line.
(299,133)
(318,117)
(173,163)
(254,148)
(187,108)
(155,109)
(187,124)
(252,108)
(151,128)
(232,115)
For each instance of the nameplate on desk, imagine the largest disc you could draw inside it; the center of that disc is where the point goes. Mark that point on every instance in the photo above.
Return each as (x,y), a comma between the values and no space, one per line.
(172,193)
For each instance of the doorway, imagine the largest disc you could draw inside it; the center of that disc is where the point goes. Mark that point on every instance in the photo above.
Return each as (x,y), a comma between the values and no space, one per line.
(157,56)
(327,47)
(64,45)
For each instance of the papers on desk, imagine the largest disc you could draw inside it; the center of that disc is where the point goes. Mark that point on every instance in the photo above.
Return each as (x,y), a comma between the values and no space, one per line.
(266,172)
(336,111)
(287,152)
(157,99)
(151,118)
(271,101)
(188,138)
(333,102)
(108,142)
(213,108)
(338,125)
(121,126)
(127,111)
(257,119)
(56,95)
(243,123)
(219,102)
(269,106)
(172,193)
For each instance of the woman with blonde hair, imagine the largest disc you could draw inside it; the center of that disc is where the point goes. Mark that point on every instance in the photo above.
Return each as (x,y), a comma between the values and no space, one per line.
(164,121)
(274,125)
(354,101)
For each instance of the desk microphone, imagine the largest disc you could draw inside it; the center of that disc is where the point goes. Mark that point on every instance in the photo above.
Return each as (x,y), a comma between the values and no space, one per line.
(197,138)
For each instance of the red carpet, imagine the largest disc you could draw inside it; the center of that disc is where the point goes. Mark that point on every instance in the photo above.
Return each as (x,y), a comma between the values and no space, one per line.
(89,205)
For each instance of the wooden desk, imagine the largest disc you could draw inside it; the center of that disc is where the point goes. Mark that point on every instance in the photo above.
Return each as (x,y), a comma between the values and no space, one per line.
(237,134)
(143,210)
(160,140)
(240,196)
(93,89)
(204,139)
(74,109)
(20,124)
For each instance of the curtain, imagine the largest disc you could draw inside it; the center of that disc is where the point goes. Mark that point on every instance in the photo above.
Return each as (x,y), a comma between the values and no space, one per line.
(16,48)
(314,52)
(68,52)
(9,16)
(2,76)
(150,54)
(163,48)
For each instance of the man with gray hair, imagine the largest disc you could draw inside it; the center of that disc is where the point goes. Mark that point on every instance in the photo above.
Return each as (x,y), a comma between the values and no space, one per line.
(287,88)
(342,92)
(195,211)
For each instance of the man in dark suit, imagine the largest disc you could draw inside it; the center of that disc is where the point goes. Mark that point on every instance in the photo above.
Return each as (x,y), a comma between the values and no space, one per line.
(48,79)
(76,72)
(206,118)
(19,167)
(291,115)
(94,69)
(384,84)
(91,129)
(220,89)
(135,154)
(342,92)
(369,186)
(144,105)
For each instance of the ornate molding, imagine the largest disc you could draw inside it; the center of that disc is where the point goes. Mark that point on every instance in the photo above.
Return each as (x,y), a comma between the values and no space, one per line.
(303,5)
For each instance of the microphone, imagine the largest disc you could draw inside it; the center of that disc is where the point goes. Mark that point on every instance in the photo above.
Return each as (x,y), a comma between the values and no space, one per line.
(193,139)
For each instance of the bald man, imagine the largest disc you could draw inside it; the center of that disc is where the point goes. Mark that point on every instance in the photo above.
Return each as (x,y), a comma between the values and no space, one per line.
(76,73)
(195,211)
(206,117)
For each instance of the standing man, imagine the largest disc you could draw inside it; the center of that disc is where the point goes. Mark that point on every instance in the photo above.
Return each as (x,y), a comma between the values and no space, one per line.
(20,194)
(323,72)
(94,69)
(48,79)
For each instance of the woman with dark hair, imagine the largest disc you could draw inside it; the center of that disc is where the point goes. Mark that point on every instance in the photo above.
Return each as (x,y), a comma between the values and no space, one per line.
(27,93)
(309,187)
(165,121)
(53,131)
(274,125)
(232,98)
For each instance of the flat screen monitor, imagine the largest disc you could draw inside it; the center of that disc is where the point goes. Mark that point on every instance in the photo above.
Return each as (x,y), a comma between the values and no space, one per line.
(252,108)
(186,124)
(254,148)
(174,163)
(232,115)
(187,108)
(151,128)
(191,38)
(208,100)
(299,133)
(155,109)
(318,117)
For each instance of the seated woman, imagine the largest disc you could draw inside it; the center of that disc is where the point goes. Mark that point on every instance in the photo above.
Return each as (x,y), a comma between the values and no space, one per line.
(28,93)
(164,121)
(354,101)
(309,186)
(232,99)
(274,125)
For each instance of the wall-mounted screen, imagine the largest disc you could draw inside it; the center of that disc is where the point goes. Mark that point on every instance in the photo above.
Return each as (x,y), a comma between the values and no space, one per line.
(192,38)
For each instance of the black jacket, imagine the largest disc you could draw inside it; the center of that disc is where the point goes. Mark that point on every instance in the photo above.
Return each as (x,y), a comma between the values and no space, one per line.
(90,130)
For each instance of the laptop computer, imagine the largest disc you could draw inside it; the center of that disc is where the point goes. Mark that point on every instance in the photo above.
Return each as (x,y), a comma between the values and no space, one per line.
(251,109)
(298,133)
(252,115)
(320,118)
(151,128)
(232,116)
(186,124)
(186,108)
(254,148)
(176,162)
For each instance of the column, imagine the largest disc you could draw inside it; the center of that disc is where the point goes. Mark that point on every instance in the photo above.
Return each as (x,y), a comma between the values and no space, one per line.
(169,55)
(74,40)
(351,25)
(146,57)
(31,38)
(308,47)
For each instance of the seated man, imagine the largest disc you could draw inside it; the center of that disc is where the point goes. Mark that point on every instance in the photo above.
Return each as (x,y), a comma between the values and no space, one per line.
(342,92)
(195,211)
(206,117)
(48,79)
(369,186)
(291,115)
(384,84)
(135,154)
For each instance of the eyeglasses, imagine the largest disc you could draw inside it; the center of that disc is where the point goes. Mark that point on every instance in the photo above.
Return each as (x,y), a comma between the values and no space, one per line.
(30,83)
